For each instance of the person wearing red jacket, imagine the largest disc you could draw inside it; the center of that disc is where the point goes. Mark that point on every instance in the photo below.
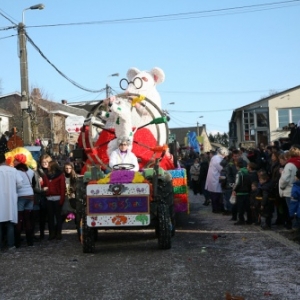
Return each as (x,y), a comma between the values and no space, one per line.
(55,187)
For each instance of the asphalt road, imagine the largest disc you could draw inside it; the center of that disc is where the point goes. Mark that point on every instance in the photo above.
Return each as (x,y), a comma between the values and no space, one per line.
(209,257)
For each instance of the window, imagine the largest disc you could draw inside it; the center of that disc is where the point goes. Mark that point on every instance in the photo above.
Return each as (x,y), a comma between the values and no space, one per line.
(248,126)
(262,119)
(288,115)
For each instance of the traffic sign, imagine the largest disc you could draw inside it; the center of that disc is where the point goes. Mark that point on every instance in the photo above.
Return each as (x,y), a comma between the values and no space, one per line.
(74,123)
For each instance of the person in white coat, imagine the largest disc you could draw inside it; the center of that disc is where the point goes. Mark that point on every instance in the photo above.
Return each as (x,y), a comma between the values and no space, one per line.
(10,180)
(213,184)
(123,155)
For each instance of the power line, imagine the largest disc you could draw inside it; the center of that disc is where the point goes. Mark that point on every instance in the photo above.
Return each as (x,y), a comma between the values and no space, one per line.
(6,37)
(179,122)
(60,72)
(7,28)
(7,18)
(187,15)
(219,92)
(201,111)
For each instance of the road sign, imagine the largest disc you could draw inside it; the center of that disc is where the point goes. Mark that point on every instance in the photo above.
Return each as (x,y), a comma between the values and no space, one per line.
(74,123)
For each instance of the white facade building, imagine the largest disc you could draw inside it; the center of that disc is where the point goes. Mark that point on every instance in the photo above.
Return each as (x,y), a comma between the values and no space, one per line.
(265,120)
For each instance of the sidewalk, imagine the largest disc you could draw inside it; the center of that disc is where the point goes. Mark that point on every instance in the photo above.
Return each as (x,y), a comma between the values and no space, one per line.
(222,222)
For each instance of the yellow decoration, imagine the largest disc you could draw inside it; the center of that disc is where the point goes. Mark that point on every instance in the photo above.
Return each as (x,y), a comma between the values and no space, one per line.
(138,178)
(104,180)
(137,100)
(10,157)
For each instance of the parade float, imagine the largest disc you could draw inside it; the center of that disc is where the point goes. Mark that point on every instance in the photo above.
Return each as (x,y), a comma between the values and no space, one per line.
(120,197)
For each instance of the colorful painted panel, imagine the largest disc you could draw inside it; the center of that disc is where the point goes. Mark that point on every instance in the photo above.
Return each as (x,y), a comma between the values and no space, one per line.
(179,182)
(117,204)
(125,189)
(118,220)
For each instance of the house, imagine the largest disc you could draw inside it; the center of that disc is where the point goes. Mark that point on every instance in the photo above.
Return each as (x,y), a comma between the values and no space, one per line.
(180,134)
(48,118)
(265,120)
(4,120)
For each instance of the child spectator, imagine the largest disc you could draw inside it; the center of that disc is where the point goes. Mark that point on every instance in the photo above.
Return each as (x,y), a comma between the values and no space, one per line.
(294,208)
(275,176)
(254,203)
(241,190)
(252,170)
(267,200)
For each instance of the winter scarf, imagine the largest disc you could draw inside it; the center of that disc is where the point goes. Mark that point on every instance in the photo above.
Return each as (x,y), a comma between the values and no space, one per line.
(295,161)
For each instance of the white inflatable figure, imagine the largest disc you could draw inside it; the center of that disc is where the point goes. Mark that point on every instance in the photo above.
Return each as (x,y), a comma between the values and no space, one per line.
(118,117)
(144,83)
(149,81)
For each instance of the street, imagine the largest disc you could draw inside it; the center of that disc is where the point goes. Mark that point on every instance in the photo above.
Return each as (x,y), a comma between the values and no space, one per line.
(209,257)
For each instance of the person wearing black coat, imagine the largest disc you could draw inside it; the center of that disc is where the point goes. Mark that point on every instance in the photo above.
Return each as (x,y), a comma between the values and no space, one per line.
(3,142)
(267,197)
(202,178)
(295,139)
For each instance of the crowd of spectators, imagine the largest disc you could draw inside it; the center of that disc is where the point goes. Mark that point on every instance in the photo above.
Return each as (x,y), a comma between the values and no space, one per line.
(258,186)
(33,198)
(254,186)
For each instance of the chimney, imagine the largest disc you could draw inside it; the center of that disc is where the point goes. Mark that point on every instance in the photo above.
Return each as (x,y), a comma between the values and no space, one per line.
(36,93)
(64,102)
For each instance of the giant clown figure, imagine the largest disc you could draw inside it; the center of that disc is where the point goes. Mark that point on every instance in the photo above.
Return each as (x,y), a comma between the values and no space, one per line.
(127,116)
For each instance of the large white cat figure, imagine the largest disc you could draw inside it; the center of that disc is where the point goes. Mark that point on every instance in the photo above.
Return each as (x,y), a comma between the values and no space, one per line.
(143,84)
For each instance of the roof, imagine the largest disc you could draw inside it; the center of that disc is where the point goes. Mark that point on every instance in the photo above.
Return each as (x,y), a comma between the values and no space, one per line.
(5,113)
(51,106)
(87,105)
(10,94)
(235,111)
(181,133)
(269,97)
(216,145)
(59,108)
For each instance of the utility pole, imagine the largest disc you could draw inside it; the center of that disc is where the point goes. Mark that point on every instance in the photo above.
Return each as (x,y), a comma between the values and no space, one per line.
(108,88)
(26,104)
(25,101)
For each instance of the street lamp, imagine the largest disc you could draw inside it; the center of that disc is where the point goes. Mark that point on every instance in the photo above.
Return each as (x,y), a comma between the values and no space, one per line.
(25,101)
(37,6)
(108,88)
(198,125)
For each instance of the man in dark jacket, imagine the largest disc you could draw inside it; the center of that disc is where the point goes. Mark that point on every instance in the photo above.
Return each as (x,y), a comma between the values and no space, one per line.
(202,178)
(3,142)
